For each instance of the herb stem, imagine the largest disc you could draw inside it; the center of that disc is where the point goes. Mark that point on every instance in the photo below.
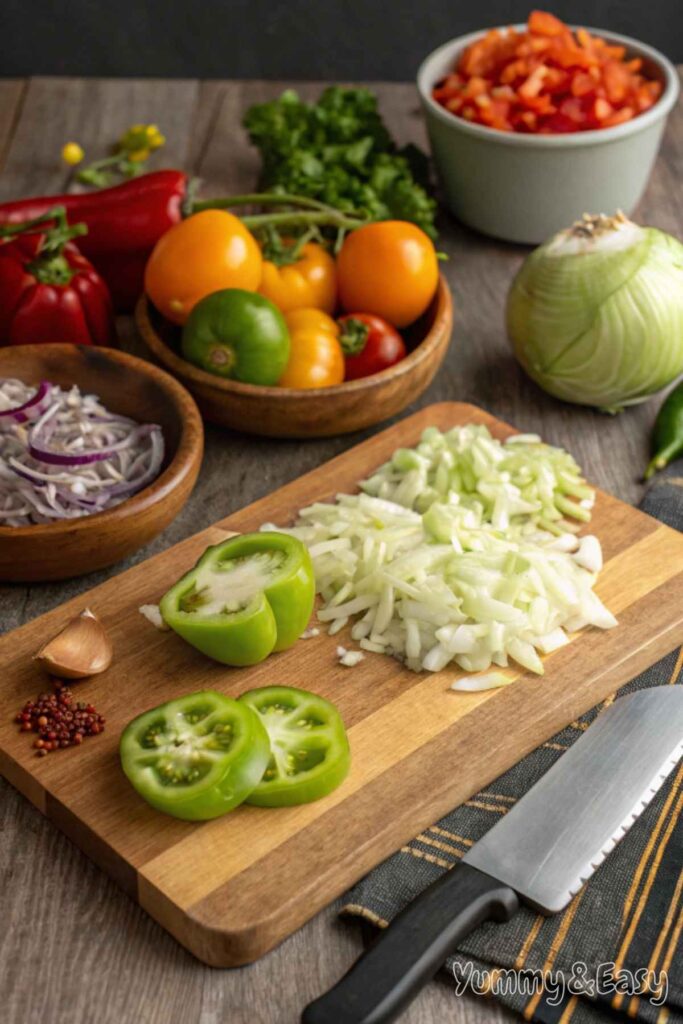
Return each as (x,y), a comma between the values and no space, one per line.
(260,199)
(303,218)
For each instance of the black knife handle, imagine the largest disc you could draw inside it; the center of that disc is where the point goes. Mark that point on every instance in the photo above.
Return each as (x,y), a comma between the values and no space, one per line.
(406,955)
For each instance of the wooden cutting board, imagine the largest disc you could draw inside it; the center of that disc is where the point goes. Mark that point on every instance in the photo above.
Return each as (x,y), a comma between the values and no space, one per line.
(230,889)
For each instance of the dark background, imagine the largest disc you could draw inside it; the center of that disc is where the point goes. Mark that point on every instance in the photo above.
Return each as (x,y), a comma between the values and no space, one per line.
(306,39)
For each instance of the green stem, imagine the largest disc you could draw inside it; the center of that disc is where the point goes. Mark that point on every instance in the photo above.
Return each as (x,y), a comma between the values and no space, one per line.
(302,219)
(56,216)
(50,265)
(259,199)
(353,337)
(279,252)
(106,161)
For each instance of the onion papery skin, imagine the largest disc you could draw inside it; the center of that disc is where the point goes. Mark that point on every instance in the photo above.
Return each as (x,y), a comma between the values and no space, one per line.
(602,326)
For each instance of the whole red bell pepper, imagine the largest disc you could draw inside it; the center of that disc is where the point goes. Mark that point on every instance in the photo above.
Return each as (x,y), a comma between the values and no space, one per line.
(124,224)
(49,292)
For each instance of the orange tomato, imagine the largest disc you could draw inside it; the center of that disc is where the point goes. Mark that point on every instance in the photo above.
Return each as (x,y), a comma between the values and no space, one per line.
(207,252)
(310,281)
(316,359)
(388,268)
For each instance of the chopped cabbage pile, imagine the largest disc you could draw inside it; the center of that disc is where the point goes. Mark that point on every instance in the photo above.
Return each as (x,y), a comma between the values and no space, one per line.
(460,550)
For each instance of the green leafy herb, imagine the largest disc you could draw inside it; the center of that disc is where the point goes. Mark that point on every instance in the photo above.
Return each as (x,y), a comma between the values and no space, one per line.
(339,151)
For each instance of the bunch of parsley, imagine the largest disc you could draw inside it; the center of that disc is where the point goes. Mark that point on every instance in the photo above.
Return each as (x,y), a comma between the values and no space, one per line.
(339,151)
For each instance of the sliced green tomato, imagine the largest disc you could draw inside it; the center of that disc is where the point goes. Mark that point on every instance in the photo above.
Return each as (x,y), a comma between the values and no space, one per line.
(249,596)
(310,753)
(197,757)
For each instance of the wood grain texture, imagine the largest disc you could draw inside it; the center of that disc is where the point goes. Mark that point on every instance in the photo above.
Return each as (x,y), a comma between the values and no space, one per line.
(12,92)
(53,900)
(94,112)
(416,747)
(318,412)
(129,387)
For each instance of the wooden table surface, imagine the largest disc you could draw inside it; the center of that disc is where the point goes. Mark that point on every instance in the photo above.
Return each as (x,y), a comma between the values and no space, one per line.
(73,947)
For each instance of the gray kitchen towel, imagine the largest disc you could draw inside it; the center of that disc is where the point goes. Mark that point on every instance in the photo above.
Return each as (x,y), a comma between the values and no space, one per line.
(627,920)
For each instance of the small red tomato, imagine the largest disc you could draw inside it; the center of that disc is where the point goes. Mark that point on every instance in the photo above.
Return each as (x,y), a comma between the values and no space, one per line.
(370,344)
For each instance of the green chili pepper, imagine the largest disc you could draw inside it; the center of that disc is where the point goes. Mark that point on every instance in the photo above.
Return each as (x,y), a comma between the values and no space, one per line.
(667,437)
(245,598)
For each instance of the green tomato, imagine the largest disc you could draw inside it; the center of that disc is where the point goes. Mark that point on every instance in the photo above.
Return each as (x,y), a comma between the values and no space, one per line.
(249,596)
(310,749)
(237,334)
(197,757)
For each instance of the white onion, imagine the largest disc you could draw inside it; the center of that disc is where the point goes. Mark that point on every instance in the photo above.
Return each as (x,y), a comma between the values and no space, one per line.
(595,315)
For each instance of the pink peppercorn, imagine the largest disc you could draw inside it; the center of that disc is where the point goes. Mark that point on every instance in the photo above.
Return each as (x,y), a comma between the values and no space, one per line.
(58,722)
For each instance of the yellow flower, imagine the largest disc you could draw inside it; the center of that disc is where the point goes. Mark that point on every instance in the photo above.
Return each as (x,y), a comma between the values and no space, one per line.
(154,136)
(72,153)
(140,140)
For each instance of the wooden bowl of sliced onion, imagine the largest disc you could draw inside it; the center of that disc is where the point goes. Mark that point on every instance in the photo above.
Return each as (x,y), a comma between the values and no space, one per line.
(99,451)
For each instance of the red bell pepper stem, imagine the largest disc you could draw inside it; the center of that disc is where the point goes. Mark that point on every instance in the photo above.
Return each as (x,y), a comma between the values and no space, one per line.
(48,291)
(49,264)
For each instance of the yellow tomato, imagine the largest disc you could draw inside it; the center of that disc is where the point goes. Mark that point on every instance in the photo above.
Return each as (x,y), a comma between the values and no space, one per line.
(310,281)
(388,268)
(316,359)
(205,253)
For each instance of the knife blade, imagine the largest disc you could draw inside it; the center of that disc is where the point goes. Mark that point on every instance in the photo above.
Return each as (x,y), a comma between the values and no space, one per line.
(542,852)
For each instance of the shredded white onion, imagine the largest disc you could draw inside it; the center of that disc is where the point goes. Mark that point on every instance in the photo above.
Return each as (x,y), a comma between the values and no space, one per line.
(477,684)
(589,553)
(66,456)
(459,550)
(152,613)
(349,659)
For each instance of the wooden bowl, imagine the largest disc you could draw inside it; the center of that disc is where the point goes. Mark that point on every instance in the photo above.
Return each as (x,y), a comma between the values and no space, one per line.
(131,387)
(317,412)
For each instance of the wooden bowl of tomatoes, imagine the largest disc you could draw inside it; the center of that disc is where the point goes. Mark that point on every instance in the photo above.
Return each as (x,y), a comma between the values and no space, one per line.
(285,411)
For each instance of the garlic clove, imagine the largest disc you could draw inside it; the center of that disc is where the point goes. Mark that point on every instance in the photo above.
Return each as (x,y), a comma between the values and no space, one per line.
(82,649)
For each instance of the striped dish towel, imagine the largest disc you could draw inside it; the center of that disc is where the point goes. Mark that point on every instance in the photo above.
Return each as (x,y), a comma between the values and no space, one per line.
(626,921)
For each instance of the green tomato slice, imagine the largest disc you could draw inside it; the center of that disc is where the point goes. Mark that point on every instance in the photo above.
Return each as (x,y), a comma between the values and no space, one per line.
(197,757)
(310,753)
(249,596)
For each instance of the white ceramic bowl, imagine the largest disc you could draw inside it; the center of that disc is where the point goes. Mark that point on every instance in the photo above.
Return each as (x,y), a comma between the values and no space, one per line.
(524,188)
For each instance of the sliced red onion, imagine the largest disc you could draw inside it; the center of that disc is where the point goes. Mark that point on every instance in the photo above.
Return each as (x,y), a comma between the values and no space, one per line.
(27,474)
(83,458)
(21,413)
(72,459)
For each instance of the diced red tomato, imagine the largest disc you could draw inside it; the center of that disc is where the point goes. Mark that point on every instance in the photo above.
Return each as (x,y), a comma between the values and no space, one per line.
(541,23)
(546,79)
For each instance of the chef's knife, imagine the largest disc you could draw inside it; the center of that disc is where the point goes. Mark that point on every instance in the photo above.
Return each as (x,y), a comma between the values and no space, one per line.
(542,852)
